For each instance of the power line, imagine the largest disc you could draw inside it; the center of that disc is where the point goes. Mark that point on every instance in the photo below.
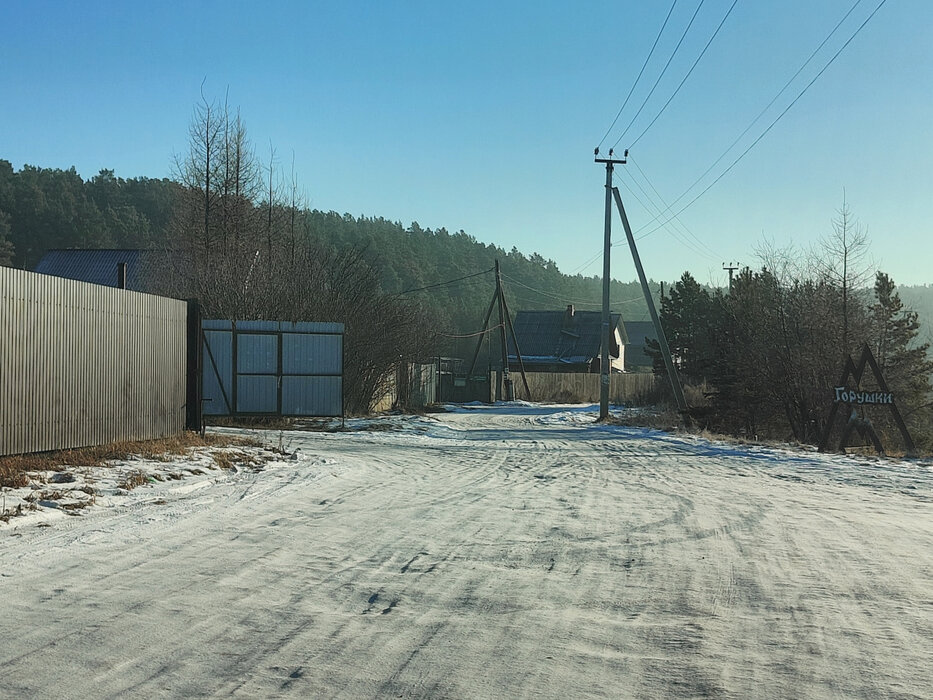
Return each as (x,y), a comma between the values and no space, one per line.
(699,251)
(472,335)
(645,65)
(663,71)
(588,262)
(728,12)
(586,305)
(771,125)
(543,293)
(648,209)
(667,208)
(564,299)
(447,283)
(760,114)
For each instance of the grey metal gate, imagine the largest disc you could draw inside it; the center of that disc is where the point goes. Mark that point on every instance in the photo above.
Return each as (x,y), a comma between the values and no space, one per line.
(272,368)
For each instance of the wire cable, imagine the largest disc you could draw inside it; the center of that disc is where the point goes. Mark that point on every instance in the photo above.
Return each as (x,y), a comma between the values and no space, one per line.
(667,207)
(586,306)
(472,335)
(710,254)
(644,65)
(564,299)
(448,282)
(663,70)
(669,99)
(760,114)
(588,262)
(772,124)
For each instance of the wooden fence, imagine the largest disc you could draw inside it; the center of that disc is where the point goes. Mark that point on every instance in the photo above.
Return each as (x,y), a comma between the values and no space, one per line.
(83,364)
(635,389)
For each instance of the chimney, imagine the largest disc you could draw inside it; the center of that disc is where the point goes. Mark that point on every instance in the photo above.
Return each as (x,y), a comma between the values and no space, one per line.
(568,316)
(121,275)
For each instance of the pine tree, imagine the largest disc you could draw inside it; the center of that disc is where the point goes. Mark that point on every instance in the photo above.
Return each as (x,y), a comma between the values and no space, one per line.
(905,363)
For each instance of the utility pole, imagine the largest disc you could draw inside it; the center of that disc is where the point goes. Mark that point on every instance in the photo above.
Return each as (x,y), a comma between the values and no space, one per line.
(505,325)
(662,339)
(731,267)
(604,368)
(509,394)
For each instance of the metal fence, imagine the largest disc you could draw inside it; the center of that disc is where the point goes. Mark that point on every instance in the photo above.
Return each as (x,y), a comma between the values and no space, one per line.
(83,364)
(254,368)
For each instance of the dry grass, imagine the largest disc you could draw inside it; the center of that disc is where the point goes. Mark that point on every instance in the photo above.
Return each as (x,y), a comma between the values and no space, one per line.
(14,469)
(229,459)
(12,475)
(224,460)
(257,422)
(665,419)
(20,509)
(132,479)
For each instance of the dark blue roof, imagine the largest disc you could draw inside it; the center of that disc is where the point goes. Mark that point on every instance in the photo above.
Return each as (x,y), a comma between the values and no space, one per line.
(637,331)
(559,337)
(95,266)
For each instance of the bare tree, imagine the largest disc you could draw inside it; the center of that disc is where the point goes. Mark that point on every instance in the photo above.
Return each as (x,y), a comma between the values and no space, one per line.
(245,250)
(843,261)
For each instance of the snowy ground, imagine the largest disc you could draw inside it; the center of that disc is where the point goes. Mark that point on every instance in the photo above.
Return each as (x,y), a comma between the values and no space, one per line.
(490,552)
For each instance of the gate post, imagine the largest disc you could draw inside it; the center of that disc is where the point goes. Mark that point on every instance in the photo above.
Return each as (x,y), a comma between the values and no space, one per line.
(193,405)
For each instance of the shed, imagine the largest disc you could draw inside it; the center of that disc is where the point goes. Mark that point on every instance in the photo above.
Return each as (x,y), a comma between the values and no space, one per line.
(636,357)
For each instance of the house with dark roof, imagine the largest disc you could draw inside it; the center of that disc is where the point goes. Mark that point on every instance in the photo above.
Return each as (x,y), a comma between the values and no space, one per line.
(565,341)
(106,267)
(636,357)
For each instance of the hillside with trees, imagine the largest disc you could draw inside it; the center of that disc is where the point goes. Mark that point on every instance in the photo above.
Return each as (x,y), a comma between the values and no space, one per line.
(43,208)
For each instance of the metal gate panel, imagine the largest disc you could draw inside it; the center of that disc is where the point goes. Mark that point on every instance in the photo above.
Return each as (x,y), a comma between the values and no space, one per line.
(257,393)
(257,380)
(257,353)
(271,367)
(311,396)
(217,381)
(312,354)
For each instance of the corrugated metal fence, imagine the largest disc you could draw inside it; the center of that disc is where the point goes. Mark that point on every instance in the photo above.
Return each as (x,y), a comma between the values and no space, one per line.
(82,364)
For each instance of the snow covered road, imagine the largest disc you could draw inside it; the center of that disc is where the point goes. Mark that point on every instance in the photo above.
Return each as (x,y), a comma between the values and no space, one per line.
(516,551)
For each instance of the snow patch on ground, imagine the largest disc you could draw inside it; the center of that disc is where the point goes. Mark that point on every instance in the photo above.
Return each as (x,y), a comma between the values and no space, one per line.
(53,495)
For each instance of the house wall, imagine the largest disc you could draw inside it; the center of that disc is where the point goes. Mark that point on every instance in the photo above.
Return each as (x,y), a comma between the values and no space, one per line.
(83,364)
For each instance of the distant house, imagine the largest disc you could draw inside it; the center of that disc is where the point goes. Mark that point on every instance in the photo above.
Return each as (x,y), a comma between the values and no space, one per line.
(104,267)
(636,357)
(565,341)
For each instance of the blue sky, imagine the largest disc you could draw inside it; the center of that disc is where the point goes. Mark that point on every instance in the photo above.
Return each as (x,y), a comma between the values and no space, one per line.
(483,116)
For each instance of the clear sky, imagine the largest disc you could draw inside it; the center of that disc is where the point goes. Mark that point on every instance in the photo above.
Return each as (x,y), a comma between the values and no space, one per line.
(483,116)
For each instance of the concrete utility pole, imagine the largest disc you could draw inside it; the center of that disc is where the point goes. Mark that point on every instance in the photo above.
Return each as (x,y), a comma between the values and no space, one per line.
(506,379)
(604,368)
(662,339)
(731,267)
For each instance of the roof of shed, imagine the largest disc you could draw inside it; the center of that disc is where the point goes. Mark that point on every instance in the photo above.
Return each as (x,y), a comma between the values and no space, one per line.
(637,331)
